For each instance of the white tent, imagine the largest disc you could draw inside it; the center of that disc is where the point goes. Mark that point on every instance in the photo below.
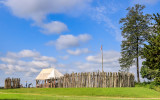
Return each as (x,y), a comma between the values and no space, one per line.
(48,73)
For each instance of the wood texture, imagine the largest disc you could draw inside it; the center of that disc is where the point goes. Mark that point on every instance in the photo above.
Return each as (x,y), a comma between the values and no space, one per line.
(12,83)
(95,79)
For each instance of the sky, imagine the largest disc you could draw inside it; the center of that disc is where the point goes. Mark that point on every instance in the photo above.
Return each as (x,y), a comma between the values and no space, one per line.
(64,34)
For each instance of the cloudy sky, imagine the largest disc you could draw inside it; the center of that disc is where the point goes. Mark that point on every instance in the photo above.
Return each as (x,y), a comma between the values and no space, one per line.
(64,34)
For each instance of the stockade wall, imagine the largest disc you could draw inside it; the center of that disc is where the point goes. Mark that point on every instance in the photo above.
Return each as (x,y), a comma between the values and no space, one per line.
(95,79)
(12,83)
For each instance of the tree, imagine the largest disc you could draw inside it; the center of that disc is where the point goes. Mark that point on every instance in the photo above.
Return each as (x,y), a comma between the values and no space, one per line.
(151,53)
(135,31)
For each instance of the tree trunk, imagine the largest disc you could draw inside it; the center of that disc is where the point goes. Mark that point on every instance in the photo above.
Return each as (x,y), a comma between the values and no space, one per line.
(138,70)
(138,61)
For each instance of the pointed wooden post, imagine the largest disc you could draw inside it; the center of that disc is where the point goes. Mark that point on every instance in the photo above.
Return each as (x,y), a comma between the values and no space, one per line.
(105,74)
(89,79)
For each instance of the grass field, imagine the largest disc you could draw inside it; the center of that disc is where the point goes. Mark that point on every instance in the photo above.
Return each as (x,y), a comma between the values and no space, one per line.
(137,93)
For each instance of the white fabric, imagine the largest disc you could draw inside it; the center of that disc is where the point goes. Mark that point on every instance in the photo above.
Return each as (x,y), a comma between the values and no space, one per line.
(48,73)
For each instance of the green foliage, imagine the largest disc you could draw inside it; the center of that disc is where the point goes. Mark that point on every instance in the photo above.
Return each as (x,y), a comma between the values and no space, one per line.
(148,73)
(156,27)
(135,32)
(151,53)
(150,85)
(143,84)
(157,80)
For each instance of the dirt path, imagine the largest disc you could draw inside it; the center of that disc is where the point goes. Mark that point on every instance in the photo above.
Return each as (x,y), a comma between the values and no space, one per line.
(120,98)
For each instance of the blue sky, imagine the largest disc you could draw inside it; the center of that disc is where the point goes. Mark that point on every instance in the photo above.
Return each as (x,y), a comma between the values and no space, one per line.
(65,34)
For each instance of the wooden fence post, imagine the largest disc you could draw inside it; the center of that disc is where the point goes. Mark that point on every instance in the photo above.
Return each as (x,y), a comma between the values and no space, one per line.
(87,80)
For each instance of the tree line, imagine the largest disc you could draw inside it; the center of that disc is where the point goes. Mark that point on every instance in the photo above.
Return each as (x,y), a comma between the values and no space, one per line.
(141,40)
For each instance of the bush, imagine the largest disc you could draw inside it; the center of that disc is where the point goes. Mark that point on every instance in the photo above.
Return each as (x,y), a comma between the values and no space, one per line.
(157,81)
(152,85)
(142,84)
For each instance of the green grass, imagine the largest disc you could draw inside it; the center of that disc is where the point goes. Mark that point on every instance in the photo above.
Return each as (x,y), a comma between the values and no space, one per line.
(149,85)
(43,97)
(78,93)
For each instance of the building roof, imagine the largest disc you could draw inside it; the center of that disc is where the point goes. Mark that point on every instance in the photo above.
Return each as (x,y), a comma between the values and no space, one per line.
(48,73)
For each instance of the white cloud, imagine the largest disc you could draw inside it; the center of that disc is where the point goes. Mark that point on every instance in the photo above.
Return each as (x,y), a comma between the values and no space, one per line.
(37,10)
(110,58)
(87,67)
(36,63)
(23,54)
(78,51)
(19,69)
(34,70)
(22,63)
(27,61)
(12,55)
(66,41)
(40,64)
(3,66)
(10,68)
(69,41)
(28,53)
(54,27)
(31,72)
(84,37)
(45,58)
(93,67)
(8,60)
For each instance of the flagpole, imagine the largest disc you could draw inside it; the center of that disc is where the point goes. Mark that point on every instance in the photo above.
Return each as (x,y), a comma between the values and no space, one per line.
(102,57)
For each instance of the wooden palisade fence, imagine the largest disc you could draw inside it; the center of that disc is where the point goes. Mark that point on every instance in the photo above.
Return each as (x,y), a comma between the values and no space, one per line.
(95,79)
(12,83)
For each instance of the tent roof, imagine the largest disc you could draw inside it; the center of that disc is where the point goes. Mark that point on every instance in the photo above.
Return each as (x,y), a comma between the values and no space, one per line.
(48,73)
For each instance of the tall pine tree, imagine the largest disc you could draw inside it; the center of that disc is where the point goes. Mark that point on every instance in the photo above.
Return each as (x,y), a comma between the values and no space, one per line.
(151,53)
(134,28)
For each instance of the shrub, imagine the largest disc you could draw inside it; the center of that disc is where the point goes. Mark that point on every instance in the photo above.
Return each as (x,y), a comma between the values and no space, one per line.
(157,81)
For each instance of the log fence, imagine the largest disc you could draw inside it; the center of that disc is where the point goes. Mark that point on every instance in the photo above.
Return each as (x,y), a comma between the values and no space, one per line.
(12,83)
(94,80)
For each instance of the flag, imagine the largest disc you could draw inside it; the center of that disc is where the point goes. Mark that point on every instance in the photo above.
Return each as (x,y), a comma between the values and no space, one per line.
(101,47)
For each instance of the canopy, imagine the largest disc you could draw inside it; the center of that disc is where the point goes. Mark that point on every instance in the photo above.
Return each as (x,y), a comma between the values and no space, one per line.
(48,73)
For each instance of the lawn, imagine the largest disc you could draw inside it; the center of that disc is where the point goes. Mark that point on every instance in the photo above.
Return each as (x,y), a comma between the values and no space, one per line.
(137,93)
